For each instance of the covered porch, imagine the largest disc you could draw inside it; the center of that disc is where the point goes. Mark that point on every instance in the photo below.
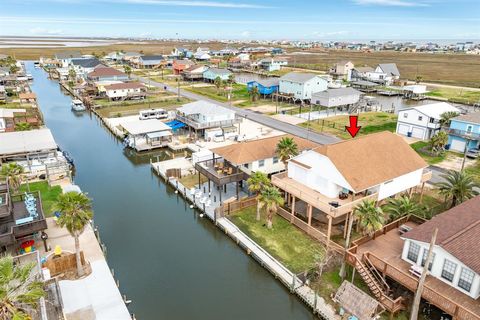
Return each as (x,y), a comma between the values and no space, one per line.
(220,173)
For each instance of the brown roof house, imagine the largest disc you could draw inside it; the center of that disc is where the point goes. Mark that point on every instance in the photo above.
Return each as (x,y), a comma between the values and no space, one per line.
(326,183)
(259,155)
(103,73)
(456,255)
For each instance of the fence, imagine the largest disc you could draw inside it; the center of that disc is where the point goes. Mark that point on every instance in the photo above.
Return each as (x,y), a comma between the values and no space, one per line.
(230,207)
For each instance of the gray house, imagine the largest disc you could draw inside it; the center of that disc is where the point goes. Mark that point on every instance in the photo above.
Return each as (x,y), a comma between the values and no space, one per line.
(331,98)
(150,61)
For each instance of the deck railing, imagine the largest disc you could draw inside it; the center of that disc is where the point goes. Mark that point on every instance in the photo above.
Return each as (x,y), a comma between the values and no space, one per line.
(205,125)
(321,203)
(464,134)
(207,169)
(430,294)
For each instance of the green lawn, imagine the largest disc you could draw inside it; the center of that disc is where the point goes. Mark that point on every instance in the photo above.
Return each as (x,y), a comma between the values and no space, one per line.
(474,170)
(371,122)
(239,92)
(421,147)
(48,194)
(295,249)
(456,94)
(132,109)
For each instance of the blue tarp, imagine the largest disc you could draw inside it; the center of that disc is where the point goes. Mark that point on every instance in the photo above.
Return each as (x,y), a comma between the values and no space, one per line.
(175,124)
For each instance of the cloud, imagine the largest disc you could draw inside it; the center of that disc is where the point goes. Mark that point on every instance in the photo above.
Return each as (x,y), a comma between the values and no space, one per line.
(392,3)
(43,31)
(329,34)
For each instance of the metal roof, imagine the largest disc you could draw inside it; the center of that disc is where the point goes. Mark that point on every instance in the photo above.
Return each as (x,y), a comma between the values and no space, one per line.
(298,77)
(145,126)
(86,63)
(204,108)
(339,92)
(26,142)
(390,68)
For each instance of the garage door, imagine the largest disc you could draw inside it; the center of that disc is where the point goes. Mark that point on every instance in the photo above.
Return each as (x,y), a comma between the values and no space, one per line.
(402,129)
(458,145)
(418,132)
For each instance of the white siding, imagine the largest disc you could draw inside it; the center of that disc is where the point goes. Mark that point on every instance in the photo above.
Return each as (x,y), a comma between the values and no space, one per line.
(268,166)
(437,266)
(322,177)
(399,184)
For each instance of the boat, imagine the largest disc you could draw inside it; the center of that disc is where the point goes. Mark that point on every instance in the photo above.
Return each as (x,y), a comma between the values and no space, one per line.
(36,64)
(29,77)
(77,105)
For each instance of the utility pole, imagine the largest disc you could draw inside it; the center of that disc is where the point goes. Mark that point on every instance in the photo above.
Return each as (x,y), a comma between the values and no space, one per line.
(467,142)
(178,89)
(421,282)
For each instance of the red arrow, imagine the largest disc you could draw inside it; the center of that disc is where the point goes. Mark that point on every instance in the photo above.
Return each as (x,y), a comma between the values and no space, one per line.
(353,128)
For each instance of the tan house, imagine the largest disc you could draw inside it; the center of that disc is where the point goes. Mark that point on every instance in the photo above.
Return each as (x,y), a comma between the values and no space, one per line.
(322,186)
(342,68)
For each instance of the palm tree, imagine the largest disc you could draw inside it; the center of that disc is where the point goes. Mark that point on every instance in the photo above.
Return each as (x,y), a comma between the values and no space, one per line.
(256,183)
(218,83)
(446,117)
(231,78)
(20,289)
(286,149)
(271,199)
(403,206)
(14,68)
(13,172)
(72,75)
(127,69)
(437,142)
(458,187)
(22,126)
(76,213)
(254,93)
(370,217)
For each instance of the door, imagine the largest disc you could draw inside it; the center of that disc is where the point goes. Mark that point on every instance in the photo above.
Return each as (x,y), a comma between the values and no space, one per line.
(418,132)
(458,145)
(402,129)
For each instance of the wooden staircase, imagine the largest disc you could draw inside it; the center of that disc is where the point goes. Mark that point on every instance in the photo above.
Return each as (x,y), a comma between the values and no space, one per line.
(377,285)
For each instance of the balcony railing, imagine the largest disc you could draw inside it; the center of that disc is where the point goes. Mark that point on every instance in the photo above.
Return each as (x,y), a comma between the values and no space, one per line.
(316,199)
(205,125)
(464,134)
(227,174)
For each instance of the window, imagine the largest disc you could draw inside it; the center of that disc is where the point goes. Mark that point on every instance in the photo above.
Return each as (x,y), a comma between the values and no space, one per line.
(275,160)
(432,120)
(469,129)
(420,118)
(405,115)
(466,279)
(424,258)
(261,163)
(246,165)
(448,271)
(413,252)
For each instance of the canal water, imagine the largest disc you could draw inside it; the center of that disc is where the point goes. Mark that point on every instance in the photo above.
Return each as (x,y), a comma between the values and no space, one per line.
(170,262)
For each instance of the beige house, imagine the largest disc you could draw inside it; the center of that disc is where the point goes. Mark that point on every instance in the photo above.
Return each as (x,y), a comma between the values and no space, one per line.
(322,186)
(342,68)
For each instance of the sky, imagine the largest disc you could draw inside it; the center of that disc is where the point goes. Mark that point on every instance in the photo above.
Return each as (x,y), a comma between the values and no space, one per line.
(245,19)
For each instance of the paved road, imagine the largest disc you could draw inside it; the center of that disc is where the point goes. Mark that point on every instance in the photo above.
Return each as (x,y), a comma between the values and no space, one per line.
(251,115)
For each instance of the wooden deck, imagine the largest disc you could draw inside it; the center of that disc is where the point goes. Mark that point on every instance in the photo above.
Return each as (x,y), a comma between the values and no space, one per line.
(385,250)
(316,199)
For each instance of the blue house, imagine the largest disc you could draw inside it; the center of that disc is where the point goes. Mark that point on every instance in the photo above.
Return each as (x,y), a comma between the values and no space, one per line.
(265,86)
(462,129)
(212,73)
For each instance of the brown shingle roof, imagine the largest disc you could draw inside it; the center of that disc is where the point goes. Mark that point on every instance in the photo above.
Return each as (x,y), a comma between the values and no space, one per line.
(105,72)
(370,160)
(458,232)
(250,151)
(27,95)
(124,85)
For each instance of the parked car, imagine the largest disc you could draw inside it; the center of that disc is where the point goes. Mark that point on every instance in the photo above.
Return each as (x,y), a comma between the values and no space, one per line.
(473,153)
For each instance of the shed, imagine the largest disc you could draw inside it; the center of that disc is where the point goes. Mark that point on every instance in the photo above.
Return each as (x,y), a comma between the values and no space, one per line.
(357,302)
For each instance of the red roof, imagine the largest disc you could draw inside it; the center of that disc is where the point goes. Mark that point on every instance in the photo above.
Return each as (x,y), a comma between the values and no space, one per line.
(124,85)
(106,72)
